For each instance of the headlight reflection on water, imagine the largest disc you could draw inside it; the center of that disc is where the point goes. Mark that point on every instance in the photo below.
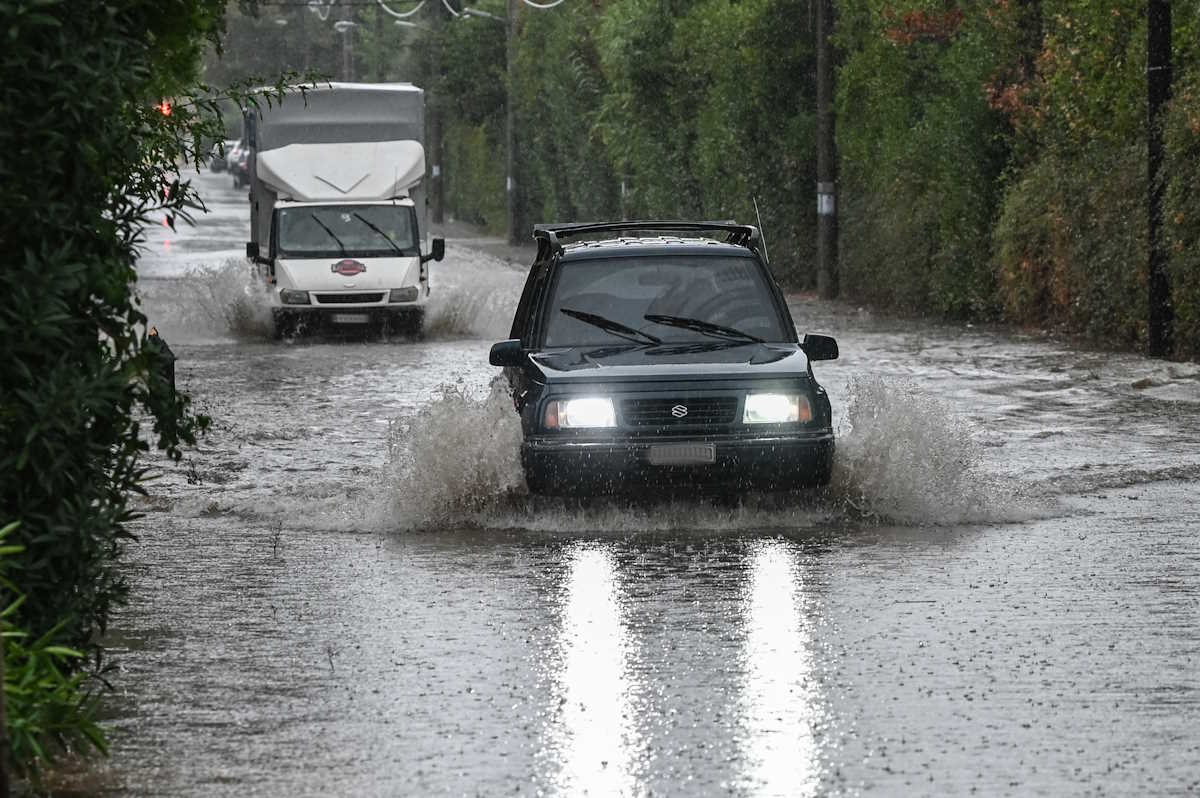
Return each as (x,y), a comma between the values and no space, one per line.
(781,705)
(596,732)
(596,745)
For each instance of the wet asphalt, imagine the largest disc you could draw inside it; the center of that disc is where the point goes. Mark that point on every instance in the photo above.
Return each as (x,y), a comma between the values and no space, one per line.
(344,590)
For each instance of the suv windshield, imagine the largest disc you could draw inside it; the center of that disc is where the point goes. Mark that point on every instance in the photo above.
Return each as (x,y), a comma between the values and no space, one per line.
(335,231)
(668,299)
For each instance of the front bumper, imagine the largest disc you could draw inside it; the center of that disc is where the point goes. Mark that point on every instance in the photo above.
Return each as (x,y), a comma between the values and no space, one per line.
(742,462)
(308,317)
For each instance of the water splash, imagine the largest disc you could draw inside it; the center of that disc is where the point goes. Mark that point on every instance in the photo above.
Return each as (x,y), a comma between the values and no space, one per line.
(219,301)
(903,457)
(458,459)
(472,296)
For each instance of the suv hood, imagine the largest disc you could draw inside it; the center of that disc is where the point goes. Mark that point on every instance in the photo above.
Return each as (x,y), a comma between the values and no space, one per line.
(700,361)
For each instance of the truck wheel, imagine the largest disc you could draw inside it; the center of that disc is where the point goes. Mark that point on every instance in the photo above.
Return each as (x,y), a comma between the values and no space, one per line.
(409,323)
(284,325)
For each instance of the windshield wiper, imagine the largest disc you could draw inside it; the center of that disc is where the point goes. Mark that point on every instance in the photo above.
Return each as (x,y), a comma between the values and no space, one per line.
(612,327)
(703,327)
(341,246)
(371,225)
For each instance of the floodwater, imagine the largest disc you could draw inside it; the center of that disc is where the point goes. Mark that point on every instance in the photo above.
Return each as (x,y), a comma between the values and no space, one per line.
(344,590)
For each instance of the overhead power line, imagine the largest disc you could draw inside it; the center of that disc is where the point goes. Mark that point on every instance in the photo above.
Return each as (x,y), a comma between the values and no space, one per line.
(399,15)
(322,8)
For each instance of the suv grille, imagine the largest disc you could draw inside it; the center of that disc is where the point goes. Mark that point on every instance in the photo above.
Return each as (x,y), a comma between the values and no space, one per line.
(348,299)
(707,411)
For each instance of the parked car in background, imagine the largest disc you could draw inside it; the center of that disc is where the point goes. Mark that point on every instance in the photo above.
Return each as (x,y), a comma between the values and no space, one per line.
(218,159)
(656,359)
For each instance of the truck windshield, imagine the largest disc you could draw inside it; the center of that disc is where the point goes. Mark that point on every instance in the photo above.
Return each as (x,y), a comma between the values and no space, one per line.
(672,299)
(335,231)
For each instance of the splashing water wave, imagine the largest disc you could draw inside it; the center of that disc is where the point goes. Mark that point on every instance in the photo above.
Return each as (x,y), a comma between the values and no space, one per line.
(474,296)
(903,458)
(209,301)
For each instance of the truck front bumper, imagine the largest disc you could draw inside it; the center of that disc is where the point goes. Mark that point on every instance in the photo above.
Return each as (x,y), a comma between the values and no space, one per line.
(302,318)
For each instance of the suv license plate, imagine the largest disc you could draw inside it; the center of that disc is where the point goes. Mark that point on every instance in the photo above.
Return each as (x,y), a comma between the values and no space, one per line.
(683,454)
(350,318)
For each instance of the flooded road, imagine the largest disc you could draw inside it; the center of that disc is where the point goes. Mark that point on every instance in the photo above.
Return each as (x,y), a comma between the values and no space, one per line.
(344,590)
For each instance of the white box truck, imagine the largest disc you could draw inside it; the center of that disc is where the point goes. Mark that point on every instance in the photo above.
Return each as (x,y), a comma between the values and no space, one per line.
(337,206)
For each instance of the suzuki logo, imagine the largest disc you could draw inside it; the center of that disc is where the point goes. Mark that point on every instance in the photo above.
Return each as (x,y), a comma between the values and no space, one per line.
(679,411)
(347,268)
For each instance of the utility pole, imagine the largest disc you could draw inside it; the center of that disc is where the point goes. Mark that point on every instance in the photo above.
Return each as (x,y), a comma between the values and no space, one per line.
(510,182)
(437,204)
(827,226)
(1158,85)
(346,26)
(380,58)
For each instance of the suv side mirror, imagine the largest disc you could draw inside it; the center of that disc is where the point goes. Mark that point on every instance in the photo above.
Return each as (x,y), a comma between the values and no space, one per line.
(252,250)
(819,347)
(437,250)
(507,353)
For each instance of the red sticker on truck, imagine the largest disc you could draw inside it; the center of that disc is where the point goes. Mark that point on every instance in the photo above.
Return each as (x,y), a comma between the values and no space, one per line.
(348,268)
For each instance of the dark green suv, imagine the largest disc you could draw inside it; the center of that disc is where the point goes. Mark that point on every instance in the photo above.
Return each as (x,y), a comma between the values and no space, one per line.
(646,357)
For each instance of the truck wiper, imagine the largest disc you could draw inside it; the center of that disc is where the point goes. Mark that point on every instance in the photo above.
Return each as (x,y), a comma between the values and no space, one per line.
(371,225)
(612,327)
(703,327)
(341,246)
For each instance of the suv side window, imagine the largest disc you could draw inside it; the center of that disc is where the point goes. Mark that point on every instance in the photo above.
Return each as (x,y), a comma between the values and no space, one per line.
(520,325)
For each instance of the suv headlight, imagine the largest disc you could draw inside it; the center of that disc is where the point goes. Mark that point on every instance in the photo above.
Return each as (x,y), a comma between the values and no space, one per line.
(776,408)
(289,297)
(403,294)
(592,411)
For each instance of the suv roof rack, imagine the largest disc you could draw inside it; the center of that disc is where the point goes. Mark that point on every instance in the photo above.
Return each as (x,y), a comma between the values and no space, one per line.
(550,236)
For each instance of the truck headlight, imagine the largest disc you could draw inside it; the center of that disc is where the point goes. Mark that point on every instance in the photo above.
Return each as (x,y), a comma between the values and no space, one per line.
(289,297)
(776,408)
(407,294)
(592,411)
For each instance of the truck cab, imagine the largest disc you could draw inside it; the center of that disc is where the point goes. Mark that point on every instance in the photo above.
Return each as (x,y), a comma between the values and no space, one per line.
(348,263)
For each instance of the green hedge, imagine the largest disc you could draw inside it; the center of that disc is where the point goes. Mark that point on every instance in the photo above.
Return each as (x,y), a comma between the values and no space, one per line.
(86,161)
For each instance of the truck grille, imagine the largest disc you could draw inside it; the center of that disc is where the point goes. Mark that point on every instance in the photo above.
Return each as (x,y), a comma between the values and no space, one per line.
(701,412)
(348,299)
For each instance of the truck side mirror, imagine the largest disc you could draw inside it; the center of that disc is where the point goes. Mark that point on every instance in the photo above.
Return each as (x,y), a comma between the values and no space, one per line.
(252,251)
(507,353)
(819,347)
(437,250)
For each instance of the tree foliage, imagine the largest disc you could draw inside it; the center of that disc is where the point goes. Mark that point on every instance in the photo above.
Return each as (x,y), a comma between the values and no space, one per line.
(88,157)
(992,151)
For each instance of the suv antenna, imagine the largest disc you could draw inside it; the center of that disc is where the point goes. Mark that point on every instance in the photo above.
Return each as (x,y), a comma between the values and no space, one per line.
(762,233)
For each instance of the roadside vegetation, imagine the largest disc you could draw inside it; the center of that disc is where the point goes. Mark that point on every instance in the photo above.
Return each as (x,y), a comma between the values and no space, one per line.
(992,153)
(89,155)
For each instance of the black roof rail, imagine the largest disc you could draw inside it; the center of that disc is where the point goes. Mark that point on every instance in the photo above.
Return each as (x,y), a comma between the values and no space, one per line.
(550,236)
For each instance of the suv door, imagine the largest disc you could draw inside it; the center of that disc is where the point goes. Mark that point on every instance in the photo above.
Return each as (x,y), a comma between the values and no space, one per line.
(524,319)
